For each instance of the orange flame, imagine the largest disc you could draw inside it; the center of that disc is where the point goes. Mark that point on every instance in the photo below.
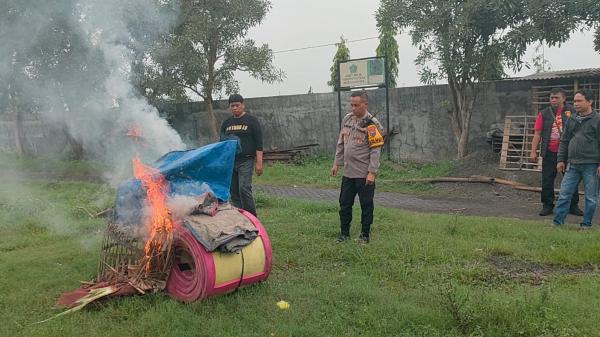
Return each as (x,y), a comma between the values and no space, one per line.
(134,132)
(160,222)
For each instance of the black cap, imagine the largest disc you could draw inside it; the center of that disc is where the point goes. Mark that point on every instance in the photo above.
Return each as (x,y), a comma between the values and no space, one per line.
(236,98)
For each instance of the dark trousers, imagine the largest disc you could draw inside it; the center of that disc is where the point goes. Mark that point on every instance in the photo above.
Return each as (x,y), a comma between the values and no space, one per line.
(548,176)
(241,184)
(351,187)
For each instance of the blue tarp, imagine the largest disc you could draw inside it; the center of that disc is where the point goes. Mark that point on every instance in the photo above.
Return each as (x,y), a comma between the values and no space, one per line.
(212,164)
(192,172)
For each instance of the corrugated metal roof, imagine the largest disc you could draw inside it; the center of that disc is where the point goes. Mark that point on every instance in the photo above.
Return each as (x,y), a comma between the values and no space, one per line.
(549,75)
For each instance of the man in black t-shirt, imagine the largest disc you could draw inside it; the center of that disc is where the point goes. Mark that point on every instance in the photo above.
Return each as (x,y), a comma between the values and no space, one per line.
(247,130)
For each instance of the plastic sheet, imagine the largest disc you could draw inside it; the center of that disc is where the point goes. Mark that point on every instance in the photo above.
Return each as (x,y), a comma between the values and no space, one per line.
(192,172)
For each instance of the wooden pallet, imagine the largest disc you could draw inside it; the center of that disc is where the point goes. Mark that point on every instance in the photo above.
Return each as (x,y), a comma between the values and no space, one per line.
(516,144)
(286,155)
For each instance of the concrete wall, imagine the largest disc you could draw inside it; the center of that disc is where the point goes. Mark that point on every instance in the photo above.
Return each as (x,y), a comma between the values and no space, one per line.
(418,114)
(37,138)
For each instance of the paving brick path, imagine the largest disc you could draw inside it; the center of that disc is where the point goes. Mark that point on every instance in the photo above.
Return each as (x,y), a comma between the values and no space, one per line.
(497,208)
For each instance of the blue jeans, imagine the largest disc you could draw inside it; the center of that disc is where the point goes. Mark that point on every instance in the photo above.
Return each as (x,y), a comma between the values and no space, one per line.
(576,173)
(241,184)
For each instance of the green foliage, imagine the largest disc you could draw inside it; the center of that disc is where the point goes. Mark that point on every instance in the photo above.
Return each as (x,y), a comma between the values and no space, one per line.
(342,54)
(41,50)
(475,40)
(55,62)
(50,62)
(205,50)
(539,63)
(388,47)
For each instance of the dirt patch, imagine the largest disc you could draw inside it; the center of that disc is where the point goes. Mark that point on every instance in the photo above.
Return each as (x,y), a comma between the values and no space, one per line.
(531,271)
(494,199)
(463,202)
(487,163)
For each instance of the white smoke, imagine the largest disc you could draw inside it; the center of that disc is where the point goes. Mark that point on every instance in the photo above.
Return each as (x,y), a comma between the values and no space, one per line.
(97,110)
(105,24)
(86,91)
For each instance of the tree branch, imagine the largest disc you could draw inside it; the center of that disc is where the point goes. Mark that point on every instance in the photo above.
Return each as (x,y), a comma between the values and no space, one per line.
(199,93)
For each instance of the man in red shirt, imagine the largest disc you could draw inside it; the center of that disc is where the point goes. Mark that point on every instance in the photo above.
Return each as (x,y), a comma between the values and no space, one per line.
(548,130)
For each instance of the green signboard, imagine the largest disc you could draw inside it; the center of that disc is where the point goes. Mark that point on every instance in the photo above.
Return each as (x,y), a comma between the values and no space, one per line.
(362,73)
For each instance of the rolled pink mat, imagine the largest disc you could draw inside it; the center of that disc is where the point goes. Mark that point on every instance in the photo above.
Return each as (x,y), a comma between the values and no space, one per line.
(191,275)
(194,274)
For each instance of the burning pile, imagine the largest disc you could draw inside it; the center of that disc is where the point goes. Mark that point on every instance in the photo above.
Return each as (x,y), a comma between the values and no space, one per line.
(149,245)
(125,268)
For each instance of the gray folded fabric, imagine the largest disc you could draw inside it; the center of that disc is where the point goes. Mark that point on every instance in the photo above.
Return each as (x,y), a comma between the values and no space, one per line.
(227,231)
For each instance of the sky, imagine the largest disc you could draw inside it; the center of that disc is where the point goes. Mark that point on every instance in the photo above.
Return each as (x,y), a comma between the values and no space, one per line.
(293,24)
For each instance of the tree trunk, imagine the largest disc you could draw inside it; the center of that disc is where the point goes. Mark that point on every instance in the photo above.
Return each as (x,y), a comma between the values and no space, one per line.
(20,151)
(211,51)
(463,141)
(75,145)
(463,99)
(18,129)
(212,120)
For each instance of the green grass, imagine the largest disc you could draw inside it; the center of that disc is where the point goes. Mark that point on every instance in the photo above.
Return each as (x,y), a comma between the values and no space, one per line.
(45,166)
(422,275)
(316,171)
(311,170)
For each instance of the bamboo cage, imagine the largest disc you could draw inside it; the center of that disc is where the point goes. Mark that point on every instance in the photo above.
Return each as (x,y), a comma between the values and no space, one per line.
(124,258)
(120,249)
